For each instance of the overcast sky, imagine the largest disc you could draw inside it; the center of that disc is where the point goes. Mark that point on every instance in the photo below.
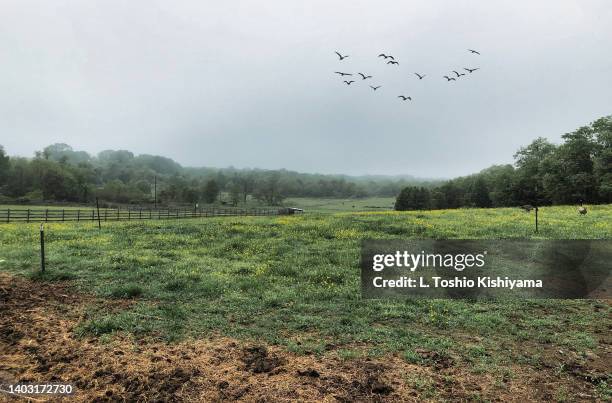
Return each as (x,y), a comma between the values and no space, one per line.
(252,84)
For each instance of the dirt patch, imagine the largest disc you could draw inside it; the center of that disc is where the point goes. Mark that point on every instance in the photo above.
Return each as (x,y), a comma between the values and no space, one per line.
(37,344)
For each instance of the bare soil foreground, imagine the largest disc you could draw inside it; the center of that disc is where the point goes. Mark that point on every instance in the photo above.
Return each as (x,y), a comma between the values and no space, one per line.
(38,345)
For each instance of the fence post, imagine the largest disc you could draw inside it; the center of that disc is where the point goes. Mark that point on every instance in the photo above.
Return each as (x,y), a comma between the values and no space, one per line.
(8,215)
(79,215)
(140,214)
(42,247)
(63,215)
(28,219)
(46,215)
(129,214)
(98,210)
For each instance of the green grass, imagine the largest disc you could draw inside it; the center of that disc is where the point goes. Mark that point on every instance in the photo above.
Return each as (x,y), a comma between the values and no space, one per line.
(294,281)
(338,205)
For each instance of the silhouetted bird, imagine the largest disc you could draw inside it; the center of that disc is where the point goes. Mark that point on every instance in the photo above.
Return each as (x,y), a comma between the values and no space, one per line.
(341,57)
(403,97)
(420,76)
(386,56)
(375,88)
(471,70)
(392,62)
(473,51)
(343,74)
(349,82)
(458,74)
(364,76)
(449,78)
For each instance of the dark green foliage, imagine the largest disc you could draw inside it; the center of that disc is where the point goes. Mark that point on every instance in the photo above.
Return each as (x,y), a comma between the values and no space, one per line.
(211,191)
(479,195)
(59,173)
(543,173)
(579,170)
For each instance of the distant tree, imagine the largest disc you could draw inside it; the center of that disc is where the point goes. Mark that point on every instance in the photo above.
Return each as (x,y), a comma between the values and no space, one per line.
(404,200)
(479,194)
(234,192)
(530,173)
(269,190)
(247,185)
(191,195)
(210,191)
(602,159)
(413,198)
(422,198)
(4,166)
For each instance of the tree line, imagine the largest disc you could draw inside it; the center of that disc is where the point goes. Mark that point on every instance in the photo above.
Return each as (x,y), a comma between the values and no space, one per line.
(577,170)
(60,173)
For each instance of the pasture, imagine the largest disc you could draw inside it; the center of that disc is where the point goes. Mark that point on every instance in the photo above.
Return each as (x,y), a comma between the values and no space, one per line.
(292,282)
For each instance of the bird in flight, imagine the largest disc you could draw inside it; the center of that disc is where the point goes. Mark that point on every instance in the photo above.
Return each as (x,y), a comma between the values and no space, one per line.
(473,51)
(392,62)
(343,74)
(349,82)
(420,76)
(449,78)
(386,56)
(403,97)
(471,70)
(341,57)
(458,74)
(375,88)
(364,76)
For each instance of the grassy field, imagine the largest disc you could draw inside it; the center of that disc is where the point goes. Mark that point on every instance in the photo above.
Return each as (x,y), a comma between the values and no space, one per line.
(341,205)
(293,281)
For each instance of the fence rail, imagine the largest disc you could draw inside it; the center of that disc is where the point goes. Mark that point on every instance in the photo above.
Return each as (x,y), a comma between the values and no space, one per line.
(54,215)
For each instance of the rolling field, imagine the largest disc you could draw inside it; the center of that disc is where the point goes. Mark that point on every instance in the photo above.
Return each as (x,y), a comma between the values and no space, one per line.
(291,283)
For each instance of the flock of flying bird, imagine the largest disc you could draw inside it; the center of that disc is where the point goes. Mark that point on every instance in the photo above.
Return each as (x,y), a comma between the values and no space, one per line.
(391,60)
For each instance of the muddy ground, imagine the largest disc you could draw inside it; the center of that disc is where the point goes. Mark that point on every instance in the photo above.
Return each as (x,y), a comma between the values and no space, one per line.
(38,345)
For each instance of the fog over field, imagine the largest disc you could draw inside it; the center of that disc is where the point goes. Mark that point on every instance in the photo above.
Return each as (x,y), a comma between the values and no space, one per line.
(252,84)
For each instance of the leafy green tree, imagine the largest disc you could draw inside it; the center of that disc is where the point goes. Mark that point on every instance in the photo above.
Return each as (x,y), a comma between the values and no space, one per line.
(210,191)
(4,166)
(602,129)
(479,194)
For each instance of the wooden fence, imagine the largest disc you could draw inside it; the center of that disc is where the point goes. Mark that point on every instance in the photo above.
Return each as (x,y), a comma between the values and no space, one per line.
(55,215)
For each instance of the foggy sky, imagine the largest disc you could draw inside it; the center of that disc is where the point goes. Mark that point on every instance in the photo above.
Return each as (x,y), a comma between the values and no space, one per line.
(251,84)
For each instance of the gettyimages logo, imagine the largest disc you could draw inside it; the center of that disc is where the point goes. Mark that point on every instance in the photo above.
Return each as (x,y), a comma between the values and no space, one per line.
(413,261)
(486,268)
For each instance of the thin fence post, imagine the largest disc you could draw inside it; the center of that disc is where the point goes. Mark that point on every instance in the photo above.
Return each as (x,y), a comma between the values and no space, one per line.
(8,215)
(46,215)
(42,247)
(140,214)
(79,215)
(98,210)
(129,214)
